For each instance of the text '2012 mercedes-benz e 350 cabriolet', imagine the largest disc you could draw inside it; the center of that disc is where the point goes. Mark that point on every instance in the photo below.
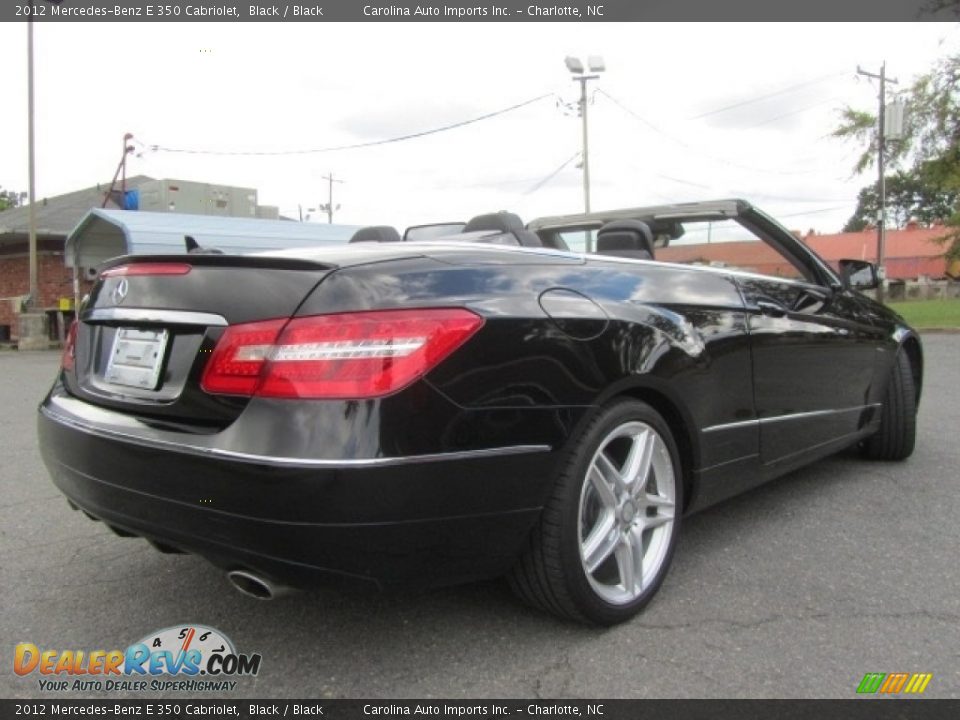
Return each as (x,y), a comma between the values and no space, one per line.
(473,399)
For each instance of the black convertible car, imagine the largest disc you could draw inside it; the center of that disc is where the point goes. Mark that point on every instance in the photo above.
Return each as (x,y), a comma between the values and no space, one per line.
(485,402)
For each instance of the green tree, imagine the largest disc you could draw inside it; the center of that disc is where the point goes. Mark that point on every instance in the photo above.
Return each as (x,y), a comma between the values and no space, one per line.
(929,151)
(909,196)
(9,199)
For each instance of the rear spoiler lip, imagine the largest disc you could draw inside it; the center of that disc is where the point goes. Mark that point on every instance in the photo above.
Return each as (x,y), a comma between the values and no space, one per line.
(216,260)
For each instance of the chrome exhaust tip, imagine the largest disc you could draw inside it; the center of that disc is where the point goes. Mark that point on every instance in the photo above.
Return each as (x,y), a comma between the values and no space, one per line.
(255,586)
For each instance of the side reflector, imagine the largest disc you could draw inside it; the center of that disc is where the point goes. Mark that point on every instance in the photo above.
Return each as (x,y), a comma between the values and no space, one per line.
(349,355)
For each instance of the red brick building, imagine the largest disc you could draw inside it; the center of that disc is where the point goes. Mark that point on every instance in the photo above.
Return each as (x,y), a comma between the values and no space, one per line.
(910,252)
(56,217)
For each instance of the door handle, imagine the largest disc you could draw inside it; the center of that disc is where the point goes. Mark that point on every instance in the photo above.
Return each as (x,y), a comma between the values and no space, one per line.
(771,308)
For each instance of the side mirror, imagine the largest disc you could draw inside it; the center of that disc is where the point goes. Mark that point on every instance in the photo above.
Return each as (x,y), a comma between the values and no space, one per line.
(859,274)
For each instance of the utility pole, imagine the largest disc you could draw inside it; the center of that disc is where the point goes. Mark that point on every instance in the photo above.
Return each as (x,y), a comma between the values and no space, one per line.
(882,180)
(585,156)
(34,302)
(32,320)
(329,206)
(121,168)
(575,66)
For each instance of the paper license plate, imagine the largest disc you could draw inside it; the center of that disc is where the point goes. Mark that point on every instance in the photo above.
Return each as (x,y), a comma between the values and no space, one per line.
(136,358)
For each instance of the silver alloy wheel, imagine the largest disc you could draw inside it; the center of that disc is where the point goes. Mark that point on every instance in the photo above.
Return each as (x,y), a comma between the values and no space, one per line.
(626,514)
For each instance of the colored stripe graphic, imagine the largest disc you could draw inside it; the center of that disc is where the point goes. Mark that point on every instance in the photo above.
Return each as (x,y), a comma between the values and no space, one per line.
(918,683)
(893,683)
(871,682)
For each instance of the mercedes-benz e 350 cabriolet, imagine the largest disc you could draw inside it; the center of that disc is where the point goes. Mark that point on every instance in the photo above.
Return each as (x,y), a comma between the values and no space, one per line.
(473,399)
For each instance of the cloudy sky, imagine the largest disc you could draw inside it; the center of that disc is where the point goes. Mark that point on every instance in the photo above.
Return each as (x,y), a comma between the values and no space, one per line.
(683,112)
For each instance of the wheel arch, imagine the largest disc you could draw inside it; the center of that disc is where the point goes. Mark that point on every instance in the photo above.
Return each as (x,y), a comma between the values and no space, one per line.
(911,346)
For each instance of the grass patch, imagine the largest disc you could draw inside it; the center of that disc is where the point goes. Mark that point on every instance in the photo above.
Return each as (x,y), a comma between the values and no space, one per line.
(930,313)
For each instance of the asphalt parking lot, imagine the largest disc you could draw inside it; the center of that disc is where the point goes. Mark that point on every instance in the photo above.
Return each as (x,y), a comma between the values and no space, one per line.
(794,590)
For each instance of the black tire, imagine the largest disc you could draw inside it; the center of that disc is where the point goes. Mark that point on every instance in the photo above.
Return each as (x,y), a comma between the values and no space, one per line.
(896,437)
(552,573)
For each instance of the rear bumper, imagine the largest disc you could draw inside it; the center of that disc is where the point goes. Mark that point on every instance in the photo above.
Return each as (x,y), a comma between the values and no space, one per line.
(429,519)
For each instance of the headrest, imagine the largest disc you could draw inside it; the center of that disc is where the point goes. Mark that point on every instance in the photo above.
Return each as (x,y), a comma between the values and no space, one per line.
(625,238)
(528,238)
(376,233)
(501,222)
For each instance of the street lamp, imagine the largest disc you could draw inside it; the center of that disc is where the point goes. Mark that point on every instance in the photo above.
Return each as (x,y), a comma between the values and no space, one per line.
(595,65)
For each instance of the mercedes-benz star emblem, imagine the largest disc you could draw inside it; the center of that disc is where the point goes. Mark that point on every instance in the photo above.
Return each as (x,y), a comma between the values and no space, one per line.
(120,291)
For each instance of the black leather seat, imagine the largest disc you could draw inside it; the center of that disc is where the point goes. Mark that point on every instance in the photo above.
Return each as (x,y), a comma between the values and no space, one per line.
(376,233)
(626,238)
(506,223)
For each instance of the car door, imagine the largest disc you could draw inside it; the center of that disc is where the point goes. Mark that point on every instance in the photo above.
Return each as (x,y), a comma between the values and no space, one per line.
(814,359)
(815,347)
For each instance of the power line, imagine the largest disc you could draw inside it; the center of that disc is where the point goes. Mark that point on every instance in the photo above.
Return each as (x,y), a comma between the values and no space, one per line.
(731,192)
(698,151)
(354,146)
(552,175)
(681,181)
(784,91)
(792,200)
(448,185)
(814,212)
(752,195)
(790,113)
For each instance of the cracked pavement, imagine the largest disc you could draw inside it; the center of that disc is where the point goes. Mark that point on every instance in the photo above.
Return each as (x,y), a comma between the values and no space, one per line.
(795,589)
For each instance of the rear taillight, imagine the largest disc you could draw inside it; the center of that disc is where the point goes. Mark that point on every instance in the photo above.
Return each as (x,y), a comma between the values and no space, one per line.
(350,355)
(69,348)
(239,358)
(146,269)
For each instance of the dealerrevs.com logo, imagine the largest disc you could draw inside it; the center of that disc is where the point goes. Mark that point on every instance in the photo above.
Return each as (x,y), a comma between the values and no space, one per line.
(188,658)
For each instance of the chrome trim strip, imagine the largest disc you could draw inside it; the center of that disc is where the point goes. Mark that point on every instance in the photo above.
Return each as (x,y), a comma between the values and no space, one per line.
(798,416)
(789,416)
(818,413)
(218,453)
(731,426)
(149,315)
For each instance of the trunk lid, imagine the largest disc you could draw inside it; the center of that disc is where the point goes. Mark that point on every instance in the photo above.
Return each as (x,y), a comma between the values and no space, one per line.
(151,323)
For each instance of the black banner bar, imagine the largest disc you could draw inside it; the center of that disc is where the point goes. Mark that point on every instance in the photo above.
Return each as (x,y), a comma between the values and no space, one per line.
(476,11)
(857,709)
